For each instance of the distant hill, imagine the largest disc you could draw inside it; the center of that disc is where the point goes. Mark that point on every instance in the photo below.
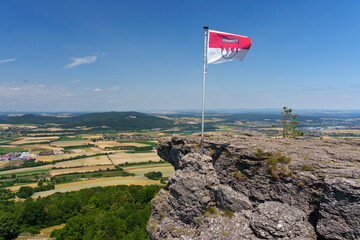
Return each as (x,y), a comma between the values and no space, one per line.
(116,120)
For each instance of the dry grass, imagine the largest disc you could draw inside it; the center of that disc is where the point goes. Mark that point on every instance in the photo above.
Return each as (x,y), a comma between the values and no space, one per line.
(97,160)
(47,231)
(123,157)
(55,172)
(70,143)
(43,235)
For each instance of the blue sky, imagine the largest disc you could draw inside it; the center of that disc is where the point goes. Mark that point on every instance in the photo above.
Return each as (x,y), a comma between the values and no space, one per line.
(147,55)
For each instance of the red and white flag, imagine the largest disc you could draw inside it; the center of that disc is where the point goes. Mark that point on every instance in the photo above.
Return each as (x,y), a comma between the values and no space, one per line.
(223,47)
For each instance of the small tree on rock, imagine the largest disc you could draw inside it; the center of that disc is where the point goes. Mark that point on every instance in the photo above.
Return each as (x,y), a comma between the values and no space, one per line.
(289,124)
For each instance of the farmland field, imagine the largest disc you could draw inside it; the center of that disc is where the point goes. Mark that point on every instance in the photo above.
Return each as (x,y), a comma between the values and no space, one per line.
(70,164)
(119,158)
(3,163)
(30,140)
(97,160)
(95,136)
(5,126)
(101,182)
(104,144)
(28,170)
(50,158)
(166,169)
(69,143)
(41,146)
(16,188)
(55,172)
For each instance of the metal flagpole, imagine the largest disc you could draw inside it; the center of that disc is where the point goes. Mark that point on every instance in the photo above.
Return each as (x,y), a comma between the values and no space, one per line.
(203,93)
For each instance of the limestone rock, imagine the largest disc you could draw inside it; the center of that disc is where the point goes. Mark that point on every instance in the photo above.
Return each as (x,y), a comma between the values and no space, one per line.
(248,186)
(339,215)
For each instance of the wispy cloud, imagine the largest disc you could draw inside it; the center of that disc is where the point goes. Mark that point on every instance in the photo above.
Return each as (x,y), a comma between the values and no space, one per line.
(83,60)
(7,60)
(15,89)
(97,90)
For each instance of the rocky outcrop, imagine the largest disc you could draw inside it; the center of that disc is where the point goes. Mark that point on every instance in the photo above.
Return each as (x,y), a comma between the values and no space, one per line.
(248,186)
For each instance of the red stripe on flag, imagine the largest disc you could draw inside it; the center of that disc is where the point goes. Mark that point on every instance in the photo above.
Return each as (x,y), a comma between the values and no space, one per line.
(216,40)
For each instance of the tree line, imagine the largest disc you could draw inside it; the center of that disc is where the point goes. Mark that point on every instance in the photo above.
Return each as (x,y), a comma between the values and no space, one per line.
(116,212)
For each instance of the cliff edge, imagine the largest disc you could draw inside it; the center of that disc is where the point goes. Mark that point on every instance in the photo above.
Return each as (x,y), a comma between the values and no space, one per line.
(248,186)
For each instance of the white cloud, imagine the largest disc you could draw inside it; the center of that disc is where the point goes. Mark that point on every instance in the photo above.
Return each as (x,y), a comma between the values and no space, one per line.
(69,95)
(7,60)
(15,89)
(41,86)
(111,101)
(97,90)
(83,60)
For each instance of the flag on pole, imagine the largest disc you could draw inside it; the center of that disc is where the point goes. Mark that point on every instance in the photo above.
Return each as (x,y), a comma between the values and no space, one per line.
(223,47)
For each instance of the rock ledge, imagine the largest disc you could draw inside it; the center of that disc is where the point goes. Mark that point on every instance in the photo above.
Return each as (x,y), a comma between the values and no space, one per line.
(249,186)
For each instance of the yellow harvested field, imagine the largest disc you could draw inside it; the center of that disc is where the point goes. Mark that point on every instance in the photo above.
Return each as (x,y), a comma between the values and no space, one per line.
(104,144)
(55,172)
(355,131)
(69,143)
(5,126)
(33,169)
(49,134)
(9,146)
(96,136)
(97,160)
(27,126)
(16,188)
(134,144)
(27,140)
(42,146)
(99,182)
(50,158)
(3,163)
(78,151)
(51,129)
(167,169)
(70,164)
(122,157)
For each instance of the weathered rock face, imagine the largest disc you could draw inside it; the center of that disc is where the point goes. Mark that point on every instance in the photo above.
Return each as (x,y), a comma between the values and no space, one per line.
(253,187)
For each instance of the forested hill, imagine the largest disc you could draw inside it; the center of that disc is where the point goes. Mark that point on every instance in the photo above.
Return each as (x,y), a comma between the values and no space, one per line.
(116,120)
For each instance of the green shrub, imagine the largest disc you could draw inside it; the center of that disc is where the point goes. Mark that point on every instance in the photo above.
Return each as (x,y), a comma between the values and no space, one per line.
(154,175)
(228,213)
(260,154)
(306,167)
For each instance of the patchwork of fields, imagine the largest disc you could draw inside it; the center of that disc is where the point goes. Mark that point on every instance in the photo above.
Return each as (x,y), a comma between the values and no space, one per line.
(84,154)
